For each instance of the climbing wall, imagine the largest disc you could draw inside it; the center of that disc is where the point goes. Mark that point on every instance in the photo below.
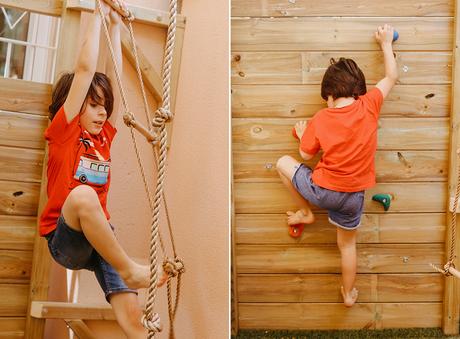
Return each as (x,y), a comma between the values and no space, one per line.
(23,119)
(280,51)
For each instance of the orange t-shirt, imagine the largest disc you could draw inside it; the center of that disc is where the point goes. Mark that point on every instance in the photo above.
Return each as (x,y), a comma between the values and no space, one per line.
(75,158)
(348,138)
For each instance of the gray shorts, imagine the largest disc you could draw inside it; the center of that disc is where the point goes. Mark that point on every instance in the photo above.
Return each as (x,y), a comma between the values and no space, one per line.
(344,208)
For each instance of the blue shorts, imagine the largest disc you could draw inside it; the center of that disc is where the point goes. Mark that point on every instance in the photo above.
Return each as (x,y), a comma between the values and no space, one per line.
(344,208)
(72,250)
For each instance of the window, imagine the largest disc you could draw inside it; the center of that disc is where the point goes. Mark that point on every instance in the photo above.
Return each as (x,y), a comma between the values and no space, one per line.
(27,45)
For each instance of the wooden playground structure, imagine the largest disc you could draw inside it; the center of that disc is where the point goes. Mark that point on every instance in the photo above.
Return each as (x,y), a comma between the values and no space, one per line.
(280,50)
(24,258)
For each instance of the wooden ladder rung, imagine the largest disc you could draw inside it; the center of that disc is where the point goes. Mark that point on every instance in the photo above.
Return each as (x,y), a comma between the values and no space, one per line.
(71,311)
(80,329)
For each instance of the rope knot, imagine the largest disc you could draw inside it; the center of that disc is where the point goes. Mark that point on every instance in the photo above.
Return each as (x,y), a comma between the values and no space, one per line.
(162,115)
(123,10)
(173,267)
(448,265)
(153,323)
(128,119)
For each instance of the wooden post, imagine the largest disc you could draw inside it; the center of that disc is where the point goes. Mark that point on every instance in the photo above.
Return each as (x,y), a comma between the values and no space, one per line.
(47,7)
(149,16)
(234,281)
(41,262)
(451,306)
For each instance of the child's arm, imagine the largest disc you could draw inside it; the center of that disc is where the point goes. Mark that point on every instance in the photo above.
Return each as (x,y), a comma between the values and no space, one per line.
(115,28)
(384,37)
(103,53)
(85,66)
(300,128)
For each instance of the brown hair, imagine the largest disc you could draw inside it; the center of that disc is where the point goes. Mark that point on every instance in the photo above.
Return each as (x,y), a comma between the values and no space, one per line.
(343,78)
(62,88)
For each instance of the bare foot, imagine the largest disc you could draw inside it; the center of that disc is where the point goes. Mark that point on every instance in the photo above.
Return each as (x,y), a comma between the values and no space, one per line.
(349,298)
(300,217)
(137,276)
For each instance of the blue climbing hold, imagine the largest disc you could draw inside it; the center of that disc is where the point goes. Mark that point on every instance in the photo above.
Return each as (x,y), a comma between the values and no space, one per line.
(395,35)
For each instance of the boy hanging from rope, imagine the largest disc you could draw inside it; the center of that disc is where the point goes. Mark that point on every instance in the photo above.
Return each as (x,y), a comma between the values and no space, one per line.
(346,131)
(75,220)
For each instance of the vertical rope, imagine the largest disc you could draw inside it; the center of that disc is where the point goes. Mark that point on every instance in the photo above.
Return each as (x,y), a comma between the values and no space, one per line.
(162,115)
(453,228)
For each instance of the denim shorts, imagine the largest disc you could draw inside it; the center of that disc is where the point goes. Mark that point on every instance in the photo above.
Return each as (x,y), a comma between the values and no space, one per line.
(344,208)
(72,250)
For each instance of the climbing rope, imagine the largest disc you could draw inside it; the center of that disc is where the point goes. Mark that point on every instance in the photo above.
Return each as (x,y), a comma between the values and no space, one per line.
(174,267)
(449,268)
(162,115)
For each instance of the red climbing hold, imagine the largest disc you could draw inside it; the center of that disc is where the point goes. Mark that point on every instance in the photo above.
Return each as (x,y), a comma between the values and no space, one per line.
(296,230)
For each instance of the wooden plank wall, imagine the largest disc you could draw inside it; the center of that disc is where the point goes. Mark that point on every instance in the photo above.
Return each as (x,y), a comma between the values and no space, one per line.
(23,119)
(280,50)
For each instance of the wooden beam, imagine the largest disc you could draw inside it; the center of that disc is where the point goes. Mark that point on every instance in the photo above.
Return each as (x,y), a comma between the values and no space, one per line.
(333,316)
(47,7)
(308,68)
(282,8)
(152,79)
(394,228)
(143,15)
(325,258)
(24,96)
(379,287)
(391,166)
(273,101)
(451,306)
(338,33)
(175,72)
(268,197)
(393,134)
(71,311)
(80,329)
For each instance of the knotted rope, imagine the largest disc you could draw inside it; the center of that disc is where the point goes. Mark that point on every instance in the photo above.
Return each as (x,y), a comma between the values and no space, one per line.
(125,13)
(449,268)
(162,115)
(150,319)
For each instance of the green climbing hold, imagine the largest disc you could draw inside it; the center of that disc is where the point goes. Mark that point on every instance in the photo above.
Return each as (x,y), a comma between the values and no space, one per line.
(384,199)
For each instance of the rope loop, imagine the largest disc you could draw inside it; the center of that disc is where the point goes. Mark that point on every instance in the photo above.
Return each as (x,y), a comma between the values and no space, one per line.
(173,267)
(152,324)
(128,119)
(122,9)
(162,115)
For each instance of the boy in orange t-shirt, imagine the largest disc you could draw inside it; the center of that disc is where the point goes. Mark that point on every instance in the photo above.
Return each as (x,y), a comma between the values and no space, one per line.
(75,220)
(346,132)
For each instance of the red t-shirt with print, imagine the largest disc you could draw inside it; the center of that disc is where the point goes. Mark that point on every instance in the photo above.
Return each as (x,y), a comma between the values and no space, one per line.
(348,138)
(75,157)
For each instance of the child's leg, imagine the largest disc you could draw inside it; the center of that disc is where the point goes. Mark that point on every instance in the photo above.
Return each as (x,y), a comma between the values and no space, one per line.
(128,314)
(286,167)
(83,212)
(346,241)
